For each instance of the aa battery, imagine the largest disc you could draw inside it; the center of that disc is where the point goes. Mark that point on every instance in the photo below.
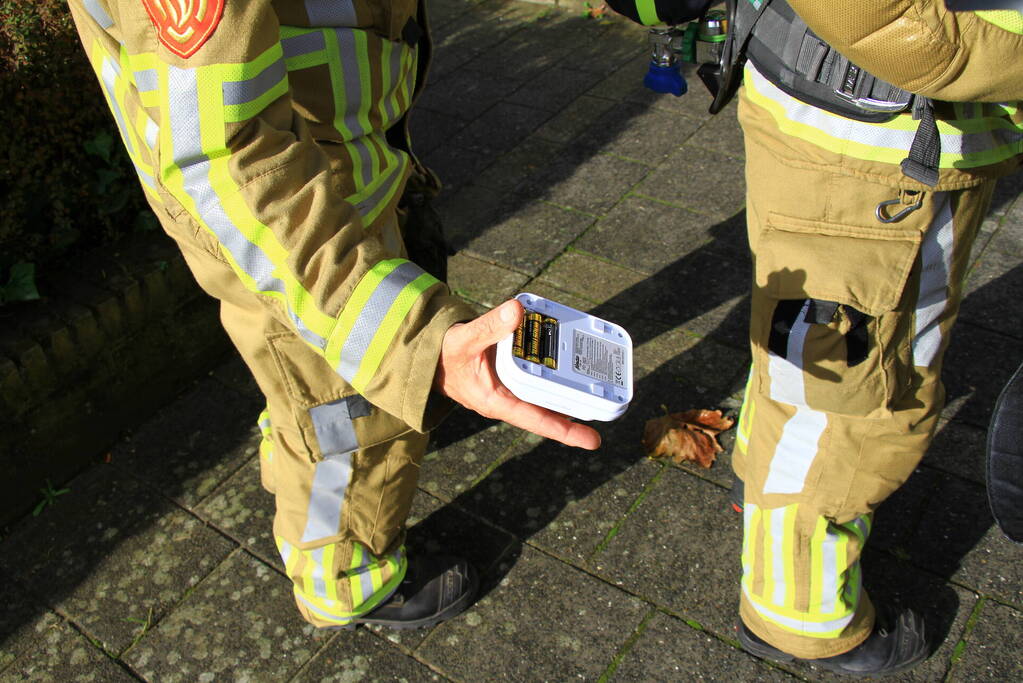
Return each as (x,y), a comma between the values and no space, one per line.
(549,342)
(531,339)
(518,349)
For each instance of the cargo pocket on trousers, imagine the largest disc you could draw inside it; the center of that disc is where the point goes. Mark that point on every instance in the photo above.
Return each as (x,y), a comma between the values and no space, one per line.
(826,329)
(330,416)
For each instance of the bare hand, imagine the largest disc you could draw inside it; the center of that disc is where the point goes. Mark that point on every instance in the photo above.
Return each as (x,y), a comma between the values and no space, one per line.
(466,373)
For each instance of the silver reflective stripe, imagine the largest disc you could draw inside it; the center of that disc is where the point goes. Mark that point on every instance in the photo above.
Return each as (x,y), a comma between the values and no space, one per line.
(877,135)
(109,73)
(318,573)
(331,12)
(372,315)
(240,92)
(352,103)
(829,570)
(778,558)
(797,446)
(364,572)
(303,44)
(98,14)
(932,299)
(795,451)
(330,481)
(787,373)
(800,625)
(332,421)
(195,169)
(326,616)
(152,133)
(146,80)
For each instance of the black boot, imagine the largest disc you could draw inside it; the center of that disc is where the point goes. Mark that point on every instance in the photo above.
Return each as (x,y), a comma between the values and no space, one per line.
(436,587)
(736,496)
(897,643)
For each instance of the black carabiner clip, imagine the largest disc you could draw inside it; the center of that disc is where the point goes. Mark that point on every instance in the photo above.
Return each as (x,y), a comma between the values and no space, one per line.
(882,214)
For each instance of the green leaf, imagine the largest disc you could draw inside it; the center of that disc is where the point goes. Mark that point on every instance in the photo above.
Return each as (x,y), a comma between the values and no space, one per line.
(21,285)
(100,146)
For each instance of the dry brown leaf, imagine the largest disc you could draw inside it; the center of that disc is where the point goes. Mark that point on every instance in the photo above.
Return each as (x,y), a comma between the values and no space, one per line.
(596,11)
(686,436)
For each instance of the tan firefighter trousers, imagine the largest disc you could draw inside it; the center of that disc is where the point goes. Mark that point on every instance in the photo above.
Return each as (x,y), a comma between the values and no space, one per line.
(342,471)
(850,319)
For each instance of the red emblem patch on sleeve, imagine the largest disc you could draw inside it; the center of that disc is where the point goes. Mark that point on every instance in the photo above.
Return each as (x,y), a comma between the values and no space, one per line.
(184,25)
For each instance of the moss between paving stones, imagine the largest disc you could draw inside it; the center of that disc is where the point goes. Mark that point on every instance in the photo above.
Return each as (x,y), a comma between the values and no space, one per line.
(116,335)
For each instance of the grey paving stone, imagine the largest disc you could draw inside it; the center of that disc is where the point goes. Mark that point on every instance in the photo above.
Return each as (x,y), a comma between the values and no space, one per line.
(608,51)
(240,622)
(702,180)
(650,236)
(456,166)
(112,555)
(972,381)
(637,132)
(466,94)
(958,449)
(578,116)
(680,548)
(482,282)
(554,89)
(721,133)
(23,622)
(462,450)
(62,654)
(361,656)
(955,537)
(671,650)
(430,129)
(992,650)
(583,621)
(526,235)
(514,168)
(500,128)
(191,446)
(592,184)
(1007,192)
(235,374)
(242,509)
(994,291)
(574,532)
(992,567)
(468,212)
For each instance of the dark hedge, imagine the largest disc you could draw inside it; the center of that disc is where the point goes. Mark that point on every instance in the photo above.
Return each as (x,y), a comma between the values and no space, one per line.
(66,183)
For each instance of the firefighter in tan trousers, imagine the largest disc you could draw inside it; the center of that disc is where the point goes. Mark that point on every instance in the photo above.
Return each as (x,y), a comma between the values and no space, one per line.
(858,278)
(271,141)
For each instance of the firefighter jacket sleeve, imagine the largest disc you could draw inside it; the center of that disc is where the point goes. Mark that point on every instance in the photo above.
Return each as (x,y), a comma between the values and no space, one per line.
(654,12)
(922,47)
(212,128)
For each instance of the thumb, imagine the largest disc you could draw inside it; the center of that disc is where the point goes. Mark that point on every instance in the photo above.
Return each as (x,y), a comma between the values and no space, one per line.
(496,324)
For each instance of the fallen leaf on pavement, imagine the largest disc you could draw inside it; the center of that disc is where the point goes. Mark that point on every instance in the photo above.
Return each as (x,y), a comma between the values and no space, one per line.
(686,436)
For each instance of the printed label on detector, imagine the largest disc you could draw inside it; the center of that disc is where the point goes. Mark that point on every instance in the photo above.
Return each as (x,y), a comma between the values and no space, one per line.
(598,358)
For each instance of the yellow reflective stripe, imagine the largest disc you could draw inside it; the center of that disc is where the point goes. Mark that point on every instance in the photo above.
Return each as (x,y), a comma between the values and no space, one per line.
(752,521)
(798,623)
(788,554)
(385,333)
(236,113)
(328,571)
(1006,19)
(213,136)
(647,11)
(354,583)
(817,566)
(870,146)
(767,590)
(305,61)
